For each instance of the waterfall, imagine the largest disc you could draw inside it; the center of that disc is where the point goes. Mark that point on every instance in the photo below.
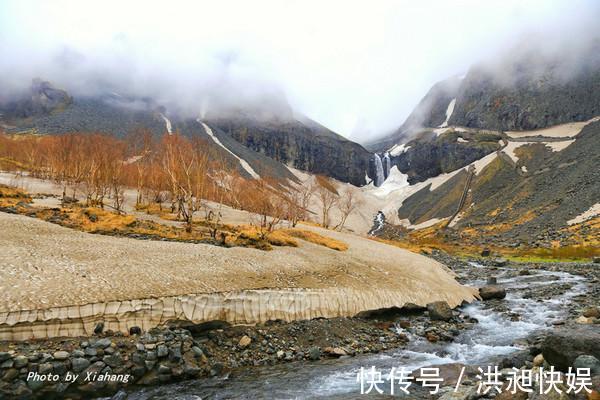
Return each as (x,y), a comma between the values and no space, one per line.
(379,176)
(387,164)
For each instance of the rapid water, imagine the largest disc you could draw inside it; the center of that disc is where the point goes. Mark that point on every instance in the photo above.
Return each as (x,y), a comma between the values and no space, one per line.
(493,336)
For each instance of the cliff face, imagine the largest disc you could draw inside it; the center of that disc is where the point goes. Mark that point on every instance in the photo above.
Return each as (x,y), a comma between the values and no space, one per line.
(429,155)
(530,98)
(302,144)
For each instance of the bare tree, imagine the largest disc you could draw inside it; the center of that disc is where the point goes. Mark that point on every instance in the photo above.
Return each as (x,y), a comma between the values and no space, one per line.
(328,199)
(347,204)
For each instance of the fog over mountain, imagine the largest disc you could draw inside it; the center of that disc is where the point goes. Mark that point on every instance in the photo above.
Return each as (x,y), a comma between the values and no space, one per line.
(357,68)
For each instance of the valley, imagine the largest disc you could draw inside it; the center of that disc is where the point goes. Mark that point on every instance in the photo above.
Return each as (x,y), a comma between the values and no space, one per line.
(300,202)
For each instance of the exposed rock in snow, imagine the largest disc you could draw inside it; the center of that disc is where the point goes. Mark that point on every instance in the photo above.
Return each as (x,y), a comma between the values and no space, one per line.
(167,124)
(591,213)
(243,162)
(449,112)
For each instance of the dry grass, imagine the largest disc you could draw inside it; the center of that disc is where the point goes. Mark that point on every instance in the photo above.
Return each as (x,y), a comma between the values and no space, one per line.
(315,238)
(252,235)
(10,197)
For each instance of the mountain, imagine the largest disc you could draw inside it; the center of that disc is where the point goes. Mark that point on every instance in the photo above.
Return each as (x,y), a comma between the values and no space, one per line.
(527,95)
(506,156)
(533,192)
(461,119)
(260,138)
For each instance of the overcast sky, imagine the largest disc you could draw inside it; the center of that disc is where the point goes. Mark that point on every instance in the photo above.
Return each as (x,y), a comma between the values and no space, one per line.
(358,67)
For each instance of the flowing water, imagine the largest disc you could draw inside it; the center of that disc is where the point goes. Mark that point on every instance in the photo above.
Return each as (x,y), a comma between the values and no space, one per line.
(493,336)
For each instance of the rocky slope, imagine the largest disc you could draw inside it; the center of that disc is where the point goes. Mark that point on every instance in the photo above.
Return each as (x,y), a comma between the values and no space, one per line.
(266,136)
(530,193)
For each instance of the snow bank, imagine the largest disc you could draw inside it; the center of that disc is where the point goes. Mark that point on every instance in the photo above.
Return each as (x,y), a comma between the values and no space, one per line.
(565,130)
(592,212)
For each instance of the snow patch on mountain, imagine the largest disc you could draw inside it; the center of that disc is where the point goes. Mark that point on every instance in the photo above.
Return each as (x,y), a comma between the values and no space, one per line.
(568,130)
(592,212)
(449,112)
(558,146)
(243,162)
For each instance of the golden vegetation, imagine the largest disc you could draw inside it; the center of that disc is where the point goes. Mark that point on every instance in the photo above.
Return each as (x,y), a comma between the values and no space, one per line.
(316,238)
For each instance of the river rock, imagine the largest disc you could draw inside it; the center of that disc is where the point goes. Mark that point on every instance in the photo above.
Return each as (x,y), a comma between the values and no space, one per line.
(563,345)
(102,343)
(492,292)
(492,280)
(314,353)
(20,361)
(162,351)
(463,393)
(587,361)
(79,364)
(10,374)
(135,330)
(439,310)
(99,328)
(584,320)
(335,351)
(500,262)
(485,253)
(591,312)
(244,341)
(61,355)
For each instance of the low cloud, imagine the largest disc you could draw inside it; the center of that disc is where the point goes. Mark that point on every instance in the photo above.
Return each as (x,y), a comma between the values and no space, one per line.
(357,67)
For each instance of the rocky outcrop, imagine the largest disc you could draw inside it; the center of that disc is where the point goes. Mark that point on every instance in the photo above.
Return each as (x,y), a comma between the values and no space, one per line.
(564,345)
(490,292)
(430,155)
(439,310)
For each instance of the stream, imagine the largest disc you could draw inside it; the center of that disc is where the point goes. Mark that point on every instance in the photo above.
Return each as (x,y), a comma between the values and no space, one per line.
(493,336)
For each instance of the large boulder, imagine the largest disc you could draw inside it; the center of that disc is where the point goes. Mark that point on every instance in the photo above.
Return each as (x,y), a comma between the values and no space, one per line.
(564,345)
(492,292)
(439,310)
